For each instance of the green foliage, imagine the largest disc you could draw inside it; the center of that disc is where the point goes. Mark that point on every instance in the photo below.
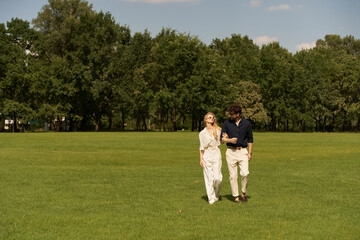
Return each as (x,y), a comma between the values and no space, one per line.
(275,82)
(80,65)
(16,101)
(251,102)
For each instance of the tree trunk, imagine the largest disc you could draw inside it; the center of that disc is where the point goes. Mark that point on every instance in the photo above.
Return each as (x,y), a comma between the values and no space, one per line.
(199,126)
(110,123)
(58,124)
(193,125)
(52,125)
(273,124)
(144,124)
(304,128)
(137,124)
(123,120)
(165,122)
(159,123)
(287,124)
(71,125)
(173,119)
(14,123)
(165,125)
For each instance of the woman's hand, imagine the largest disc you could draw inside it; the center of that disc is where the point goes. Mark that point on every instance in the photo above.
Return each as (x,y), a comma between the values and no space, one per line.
(225,135)
(226,139)
(202,162)
(201,158)
(233,140)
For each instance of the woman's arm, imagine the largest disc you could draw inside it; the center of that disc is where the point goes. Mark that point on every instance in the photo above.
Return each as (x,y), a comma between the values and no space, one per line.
(201,158)
(226,139)
(202,149)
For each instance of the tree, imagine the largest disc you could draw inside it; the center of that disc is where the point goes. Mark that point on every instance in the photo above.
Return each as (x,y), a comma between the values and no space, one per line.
(240,60)
(140,90)
(59,21)
(104,38)
(16,100)
(241,57)
(341,71)
(173,57)
(275,83)
(318,91)
(80,46)
(80,65)
(203,92)
(250,101)
(346,81)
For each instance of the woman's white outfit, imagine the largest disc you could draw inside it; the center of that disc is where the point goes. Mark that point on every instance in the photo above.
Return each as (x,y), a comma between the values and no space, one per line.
(212,164)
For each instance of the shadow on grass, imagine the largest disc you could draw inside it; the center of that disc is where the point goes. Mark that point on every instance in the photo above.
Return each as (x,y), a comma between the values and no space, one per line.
(232,199)
(228,197)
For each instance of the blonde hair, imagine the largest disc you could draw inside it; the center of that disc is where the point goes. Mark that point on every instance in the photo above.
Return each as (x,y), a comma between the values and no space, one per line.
(215,127)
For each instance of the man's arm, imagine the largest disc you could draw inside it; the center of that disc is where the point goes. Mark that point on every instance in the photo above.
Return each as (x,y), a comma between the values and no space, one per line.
(250,140)
(224,137)
(250,151)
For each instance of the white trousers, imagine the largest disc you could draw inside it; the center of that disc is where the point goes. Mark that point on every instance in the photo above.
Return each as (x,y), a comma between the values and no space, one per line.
(212,173)
(235,158)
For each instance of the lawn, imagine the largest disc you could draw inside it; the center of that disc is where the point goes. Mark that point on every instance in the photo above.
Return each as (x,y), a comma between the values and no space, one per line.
(133,185)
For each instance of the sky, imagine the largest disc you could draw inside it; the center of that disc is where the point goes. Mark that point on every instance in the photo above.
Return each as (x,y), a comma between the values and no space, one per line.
(295,24)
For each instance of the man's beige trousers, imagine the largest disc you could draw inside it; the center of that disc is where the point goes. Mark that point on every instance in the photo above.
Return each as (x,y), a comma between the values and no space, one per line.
(235,158)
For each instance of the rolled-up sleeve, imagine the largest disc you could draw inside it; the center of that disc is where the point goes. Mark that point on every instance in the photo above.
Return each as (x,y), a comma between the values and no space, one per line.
(249,134)
(202,142)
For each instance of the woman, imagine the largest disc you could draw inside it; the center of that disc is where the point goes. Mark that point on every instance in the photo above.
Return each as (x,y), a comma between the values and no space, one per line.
(210,157)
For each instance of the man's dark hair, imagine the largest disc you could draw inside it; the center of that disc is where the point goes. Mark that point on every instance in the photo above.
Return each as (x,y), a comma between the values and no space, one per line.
(234,109)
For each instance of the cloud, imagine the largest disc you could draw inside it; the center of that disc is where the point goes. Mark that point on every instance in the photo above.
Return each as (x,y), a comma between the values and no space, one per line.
(264,40)
(305,46)
(255,3)
(281,7)
(163,1)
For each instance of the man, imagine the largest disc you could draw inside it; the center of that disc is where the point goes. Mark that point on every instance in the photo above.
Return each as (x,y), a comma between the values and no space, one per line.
(237,134)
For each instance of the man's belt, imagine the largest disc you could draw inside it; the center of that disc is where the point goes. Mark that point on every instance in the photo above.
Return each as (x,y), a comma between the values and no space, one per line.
(234,148)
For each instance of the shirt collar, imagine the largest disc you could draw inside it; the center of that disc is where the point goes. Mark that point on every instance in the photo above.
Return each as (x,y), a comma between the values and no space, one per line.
(241,118)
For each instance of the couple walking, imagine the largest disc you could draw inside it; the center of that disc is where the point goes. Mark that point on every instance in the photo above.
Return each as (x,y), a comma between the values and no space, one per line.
(237,134)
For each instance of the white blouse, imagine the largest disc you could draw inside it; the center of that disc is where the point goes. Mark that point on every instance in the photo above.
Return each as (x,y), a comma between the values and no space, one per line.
(209,141)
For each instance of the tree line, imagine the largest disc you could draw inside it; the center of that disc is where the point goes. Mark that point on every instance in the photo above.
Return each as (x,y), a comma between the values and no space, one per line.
(78,68)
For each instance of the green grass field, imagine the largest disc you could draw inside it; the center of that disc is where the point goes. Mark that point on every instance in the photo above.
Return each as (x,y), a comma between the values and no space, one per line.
(132,185)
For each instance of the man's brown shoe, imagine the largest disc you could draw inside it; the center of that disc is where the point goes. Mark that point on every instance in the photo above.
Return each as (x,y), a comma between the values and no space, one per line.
(243,199)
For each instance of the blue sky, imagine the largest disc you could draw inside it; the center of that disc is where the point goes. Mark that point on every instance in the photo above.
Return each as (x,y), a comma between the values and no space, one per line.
(295,24)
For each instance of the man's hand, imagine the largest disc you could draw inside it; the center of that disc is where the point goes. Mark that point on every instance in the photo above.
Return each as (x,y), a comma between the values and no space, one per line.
(201,162)
(249,156)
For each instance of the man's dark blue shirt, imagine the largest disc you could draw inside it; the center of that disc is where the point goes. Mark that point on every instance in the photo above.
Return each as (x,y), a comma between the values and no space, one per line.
(242,132)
